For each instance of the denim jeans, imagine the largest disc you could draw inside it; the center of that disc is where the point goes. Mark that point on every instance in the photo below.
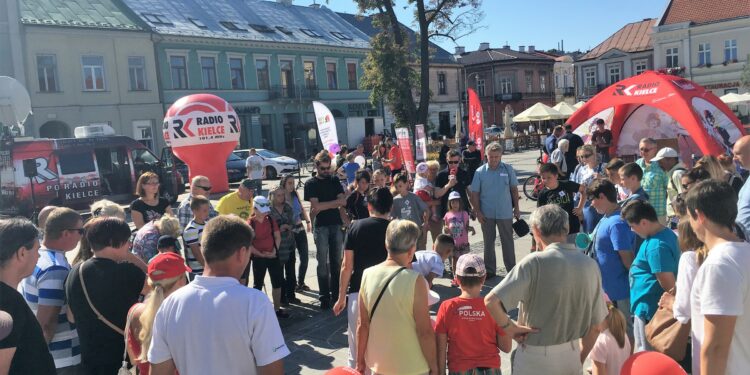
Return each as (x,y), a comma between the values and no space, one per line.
(640,344)
(300,239)
(328,244)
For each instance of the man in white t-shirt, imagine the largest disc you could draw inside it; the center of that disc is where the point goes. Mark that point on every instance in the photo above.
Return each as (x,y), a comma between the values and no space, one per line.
(215,325)
(255,171)
(720,297)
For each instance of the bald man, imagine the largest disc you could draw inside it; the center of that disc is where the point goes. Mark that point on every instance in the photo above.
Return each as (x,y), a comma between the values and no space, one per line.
(42,217)
(199,185)
(741,152)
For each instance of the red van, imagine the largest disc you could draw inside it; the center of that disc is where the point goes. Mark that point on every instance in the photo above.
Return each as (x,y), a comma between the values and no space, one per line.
(75,172)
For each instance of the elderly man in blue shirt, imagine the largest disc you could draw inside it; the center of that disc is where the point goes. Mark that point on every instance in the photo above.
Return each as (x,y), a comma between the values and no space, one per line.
(494,197)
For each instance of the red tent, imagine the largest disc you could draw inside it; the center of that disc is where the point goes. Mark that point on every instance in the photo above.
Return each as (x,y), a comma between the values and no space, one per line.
(660,106)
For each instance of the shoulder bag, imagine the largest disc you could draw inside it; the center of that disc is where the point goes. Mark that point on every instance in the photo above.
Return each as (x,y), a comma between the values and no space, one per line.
(91,305)
(666,334)
(124,368)
(377,301)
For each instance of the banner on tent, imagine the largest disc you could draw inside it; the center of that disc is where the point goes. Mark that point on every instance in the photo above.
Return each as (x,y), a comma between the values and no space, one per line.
(404,143)
(326,127)
(476,120)
(421,143)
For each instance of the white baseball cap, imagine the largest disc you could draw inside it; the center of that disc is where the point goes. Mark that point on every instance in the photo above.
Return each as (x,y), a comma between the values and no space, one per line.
(454,195)
(666,152)
(262,204)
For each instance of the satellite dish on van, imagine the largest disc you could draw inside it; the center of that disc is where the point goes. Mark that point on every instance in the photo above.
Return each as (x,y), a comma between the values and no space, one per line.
(15,104)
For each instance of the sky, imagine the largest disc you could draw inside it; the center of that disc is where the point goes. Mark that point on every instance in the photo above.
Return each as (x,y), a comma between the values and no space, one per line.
(581,24)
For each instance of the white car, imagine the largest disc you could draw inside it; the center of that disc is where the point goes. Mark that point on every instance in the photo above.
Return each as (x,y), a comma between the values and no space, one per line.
(274,164)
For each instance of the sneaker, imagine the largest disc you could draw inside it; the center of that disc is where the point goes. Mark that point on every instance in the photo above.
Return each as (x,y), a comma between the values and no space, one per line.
(282,314)
(303,288)
(454,283)
(293,300)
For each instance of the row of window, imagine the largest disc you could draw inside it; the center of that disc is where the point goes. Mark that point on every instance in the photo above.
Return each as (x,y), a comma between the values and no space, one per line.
(505,83)
(92,73)
(672,54)
(613,72)
(179,72)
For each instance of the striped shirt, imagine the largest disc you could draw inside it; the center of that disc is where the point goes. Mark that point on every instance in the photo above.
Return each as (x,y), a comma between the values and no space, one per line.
(46,287)
(192,236)
(655,183)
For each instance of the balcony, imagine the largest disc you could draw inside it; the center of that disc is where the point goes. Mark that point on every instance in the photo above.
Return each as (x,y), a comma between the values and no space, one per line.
(545,94)
(568,91)
(510,97)
(292,92)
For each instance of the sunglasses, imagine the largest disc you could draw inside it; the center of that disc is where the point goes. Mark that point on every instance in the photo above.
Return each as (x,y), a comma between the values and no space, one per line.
(79,230)
(263,204)
(324,168)
(153,183)
(206,188)
(686,186)
(453,162)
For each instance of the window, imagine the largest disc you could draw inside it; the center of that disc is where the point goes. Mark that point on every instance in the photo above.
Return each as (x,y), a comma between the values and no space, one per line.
(542,82)
(331,74)
(506,85)
(284,30)
(46,66)
(730,50)
(704,54)
(198,23)
(208,72)
(613,73)
(231,26)
(266,131)
(311,33)
(236,73)
(157,19)
(93,73)
(309,67)
(142,132)
(341,36)
(640,66)
(529,81)
(137,73)
(589,76)
(557,81)
(480,87)
(441,84)
(262,28)
(351,75)
(261,69)
(178,66)
(565,81)
(76,162)
(672,57)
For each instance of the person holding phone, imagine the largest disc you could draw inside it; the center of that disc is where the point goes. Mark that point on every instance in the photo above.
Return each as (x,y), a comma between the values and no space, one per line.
(451,179)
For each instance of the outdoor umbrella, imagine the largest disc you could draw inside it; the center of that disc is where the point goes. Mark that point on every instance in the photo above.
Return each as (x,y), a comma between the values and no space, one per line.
(579,104)
(734,98)
(538,112)
(566,109)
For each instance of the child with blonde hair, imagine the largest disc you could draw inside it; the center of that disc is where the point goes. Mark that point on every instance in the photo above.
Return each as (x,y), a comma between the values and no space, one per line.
(612,347)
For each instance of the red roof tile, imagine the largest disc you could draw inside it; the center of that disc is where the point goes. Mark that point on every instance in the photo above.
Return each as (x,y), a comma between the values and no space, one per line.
(704,11)
(633,37)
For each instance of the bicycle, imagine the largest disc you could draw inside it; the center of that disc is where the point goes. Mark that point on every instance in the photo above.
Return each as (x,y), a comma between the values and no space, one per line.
(532,186)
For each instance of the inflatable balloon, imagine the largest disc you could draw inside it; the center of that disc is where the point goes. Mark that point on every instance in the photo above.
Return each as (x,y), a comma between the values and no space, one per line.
(202,130)
(342,370)
(651,363)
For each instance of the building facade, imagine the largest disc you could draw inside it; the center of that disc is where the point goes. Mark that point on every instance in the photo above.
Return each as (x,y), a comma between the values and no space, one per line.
(88,64)
(507,79)
(565,85)
(710,39)
(444,86)
(269,60)
(626,53)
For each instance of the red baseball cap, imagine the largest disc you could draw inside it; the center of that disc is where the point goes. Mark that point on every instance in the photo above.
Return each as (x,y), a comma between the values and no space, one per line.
(166,266)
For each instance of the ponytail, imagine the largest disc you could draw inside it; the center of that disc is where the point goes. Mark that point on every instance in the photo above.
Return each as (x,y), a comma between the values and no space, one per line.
(153,301)
(616,324)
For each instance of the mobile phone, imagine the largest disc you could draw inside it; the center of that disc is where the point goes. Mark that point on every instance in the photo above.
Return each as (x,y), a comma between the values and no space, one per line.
(453,171)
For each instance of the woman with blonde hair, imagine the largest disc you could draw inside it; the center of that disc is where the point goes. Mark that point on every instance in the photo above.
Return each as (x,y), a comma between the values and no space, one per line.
(166,273)
(146,239)
(731,175)
(149,206)
(100,208)
(712,165)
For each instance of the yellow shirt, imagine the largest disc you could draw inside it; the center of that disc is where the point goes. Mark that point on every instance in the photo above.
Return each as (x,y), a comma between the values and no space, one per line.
(233,204)
(392,346)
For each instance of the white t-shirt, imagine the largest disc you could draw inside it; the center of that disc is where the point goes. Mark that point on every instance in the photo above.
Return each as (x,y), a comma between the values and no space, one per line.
(607,351)
(255,162)
(215,325)
(428,262)
(722,287)
(686,272)
(558,157)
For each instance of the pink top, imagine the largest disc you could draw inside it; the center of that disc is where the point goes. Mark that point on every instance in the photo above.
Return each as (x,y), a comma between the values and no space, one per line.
(607,351)
(458,224)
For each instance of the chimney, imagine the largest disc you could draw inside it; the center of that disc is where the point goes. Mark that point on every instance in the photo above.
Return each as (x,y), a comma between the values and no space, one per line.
(484,46)
(506,47)
(532,49)
(521,48)
(315,6)
(285,2)
(460,50)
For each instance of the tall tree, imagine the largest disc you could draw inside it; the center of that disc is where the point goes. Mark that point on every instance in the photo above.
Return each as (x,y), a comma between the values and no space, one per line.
(389,71)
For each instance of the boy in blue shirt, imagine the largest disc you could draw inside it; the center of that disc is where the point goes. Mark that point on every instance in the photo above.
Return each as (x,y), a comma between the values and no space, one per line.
(350,168)
(654,269)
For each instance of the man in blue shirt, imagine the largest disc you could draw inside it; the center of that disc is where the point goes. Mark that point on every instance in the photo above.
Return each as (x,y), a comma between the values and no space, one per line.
(654,269)
(550,143)
(741,152)
(494,197)
(613,244)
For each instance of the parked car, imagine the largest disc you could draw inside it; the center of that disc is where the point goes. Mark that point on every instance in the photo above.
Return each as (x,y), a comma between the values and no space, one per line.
(274,163)
(494,131)
(235,167)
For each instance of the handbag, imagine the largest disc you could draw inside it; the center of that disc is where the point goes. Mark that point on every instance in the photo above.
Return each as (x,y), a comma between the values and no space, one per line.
(666,334)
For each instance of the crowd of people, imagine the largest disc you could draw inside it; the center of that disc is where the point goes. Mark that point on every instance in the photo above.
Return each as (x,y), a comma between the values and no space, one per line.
(616,243)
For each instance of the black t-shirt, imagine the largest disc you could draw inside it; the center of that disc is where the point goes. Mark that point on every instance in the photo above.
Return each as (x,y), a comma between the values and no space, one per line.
(563,197)
(472,160)
(462,178)
(32,355)
(356,206)
(574,142)
(443,155)
(150,212)
(326,190)
(113,287)
(366,238)
(606,137)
